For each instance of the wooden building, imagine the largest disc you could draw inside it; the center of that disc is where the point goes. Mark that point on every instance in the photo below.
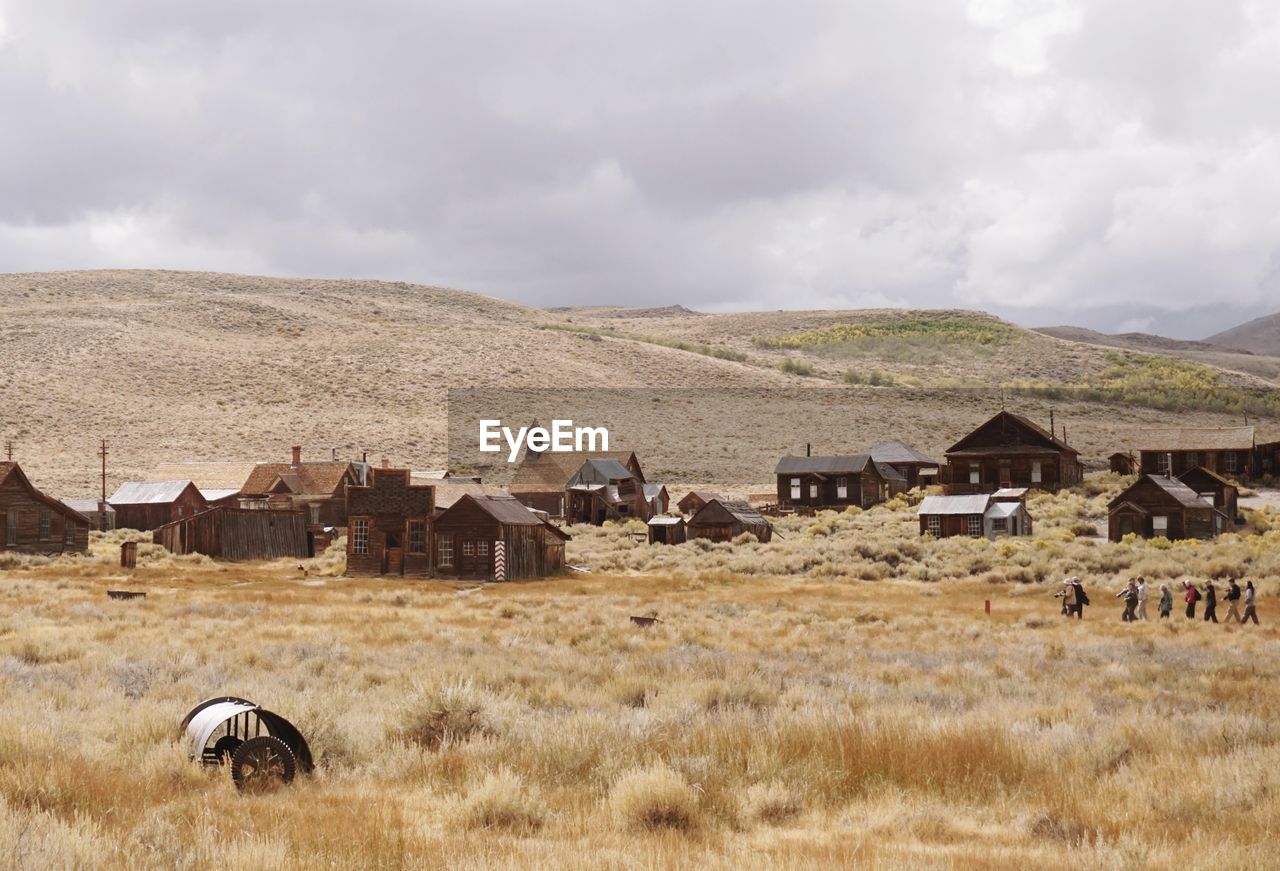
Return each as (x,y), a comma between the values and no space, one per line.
(35,523)
(1123,463)
(667,529)
(1268,458)
(695,499)
(239,535)
(496,538)
(389,525)
(915,467)
(604,489)
(1229,451)
(810,483)
(1010,451)
(148,505)
(541,478)
(726,519)
(1213,488)
(317,488)
(658,498)
(102,517)
(978,515)
(1156,505)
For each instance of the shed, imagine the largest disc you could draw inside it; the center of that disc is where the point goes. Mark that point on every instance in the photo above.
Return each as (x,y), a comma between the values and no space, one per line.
(667,529)
(976,515)
(36,523)
(389,525)
(1214,488)
(695,499)
(1156,505)
(147,505)
(658,498)
(1123,463)
(1010,451)
(239,535)
(915,467)
(496,538)
(726,519)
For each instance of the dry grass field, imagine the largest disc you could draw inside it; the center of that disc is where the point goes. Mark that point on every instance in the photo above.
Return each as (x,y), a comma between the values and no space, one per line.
(835,698)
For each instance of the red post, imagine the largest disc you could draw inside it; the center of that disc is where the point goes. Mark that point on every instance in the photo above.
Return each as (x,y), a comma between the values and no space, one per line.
(986,604)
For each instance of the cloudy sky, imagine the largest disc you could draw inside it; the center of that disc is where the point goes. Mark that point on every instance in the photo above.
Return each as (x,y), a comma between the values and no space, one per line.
(1111,164)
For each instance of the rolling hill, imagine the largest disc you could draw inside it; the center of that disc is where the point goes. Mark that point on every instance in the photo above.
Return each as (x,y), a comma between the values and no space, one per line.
(1259,336)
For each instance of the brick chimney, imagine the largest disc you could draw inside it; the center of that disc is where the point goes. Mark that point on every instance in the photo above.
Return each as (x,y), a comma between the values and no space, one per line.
(297,454)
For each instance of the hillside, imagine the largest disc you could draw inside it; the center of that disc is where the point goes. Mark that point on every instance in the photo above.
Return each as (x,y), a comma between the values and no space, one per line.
(1259,336)
(1211,352)
(174,366)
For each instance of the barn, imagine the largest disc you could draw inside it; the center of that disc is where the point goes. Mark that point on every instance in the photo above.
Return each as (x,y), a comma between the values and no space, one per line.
(726,519)
(239,534)
(389,525)
(1156,505)
(496,538)
(915,467)
(147,505)
(36,523)
(1229,451)
(1214,488)
(1010,451)
(809,483)
(978,515)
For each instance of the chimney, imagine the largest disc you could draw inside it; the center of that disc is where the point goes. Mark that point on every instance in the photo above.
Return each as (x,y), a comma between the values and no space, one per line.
(1053,432)
(297,454)
(386,464)
(808,449)
(364,457)
(1168,458)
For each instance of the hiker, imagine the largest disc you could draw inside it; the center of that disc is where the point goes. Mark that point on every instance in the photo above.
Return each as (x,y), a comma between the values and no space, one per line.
(1210,602)
(1166,602)
(1130,595)
(1250,603)
(1232,596)
(1068,596)
(1082,598)
(1193,596)
(1142,598)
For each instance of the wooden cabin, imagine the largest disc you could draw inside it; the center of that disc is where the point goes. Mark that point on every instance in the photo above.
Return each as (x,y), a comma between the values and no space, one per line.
(148,505)
(239,535)
(667,529)
(317,488)
(541,478)
(658,498)
(1212,487)
(604,489)
(389,525)
(1123,463)
(978,515)
(496,538)
(35,523)
(810,483)
(1156,505)
(1010,451)
(915,467)
(1228,451)
(1268,459)
(102,517)
(726,519)
(695,499)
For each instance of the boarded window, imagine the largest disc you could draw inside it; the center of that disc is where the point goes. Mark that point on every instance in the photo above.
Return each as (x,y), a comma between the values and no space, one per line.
(315,513)
(360,536)
(444,550)
(975,476)
(935,525)
(1159,524)
(1037,473)
(45,533)
(975,525)
(842,488)
(11,527)
(417,536)
(795,488)
(69,531)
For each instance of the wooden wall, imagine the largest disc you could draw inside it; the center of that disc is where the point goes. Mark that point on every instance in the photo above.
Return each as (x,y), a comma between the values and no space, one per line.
(27,510)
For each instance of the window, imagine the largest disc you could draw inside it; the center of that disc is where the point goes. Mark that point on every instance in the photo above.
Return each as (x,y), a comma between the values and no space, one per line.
(1193,459)
(11,527)
(999,524)
(482,548)
(1230,462)
(975,476)
(44,524)
(795,489)
(360,536)
(1162,465)
(935,526)
(1036,472)
(468,548)
(417,536)
(315,513)
(1159,524)
(842,488)
(444,550)
(975,525)
(68,530)
(813,489)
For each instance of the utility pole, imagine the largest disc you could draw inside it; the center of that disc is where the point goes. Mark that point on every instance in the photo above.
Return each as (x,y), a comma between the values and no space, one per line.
(102,452)
(8,449)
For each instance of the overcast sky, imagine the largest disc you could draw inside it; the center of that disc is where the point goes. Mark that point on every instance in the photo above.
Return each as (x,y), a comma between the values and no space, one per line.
(1111,164)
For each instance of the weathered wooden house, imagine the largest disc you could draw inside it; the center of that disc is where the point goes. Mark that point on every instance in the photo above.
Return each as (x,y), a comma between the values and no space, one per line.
(239,535)
(1229,451)
(1160,506)
(1213,488)
(726,519)
(317,488)
(658,498)
(496,538)
(604,489)
(1010,451)
(102,517)
(1268,457)
(541,478)
(148,505)
(809,483)
(695,499)
(1123,463)
(915,467)
(36,523)
(978,515)
(389,525)
(667,529)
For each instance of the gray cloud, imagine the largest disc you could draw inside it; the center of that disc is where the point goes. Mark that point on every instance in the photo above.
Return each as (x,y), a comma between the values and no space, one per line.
(1108,164)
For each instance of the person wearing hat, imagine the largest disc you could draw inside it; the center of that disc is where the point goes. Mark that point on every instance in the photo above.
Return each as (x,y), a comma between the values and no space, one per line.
(1166,602)
(1142,598)
(1068,596)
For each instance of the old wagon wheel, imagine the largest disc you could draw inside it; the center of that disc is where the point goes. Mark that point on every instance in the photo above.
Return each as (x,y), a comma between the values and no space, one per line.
(226,746)
(262,763)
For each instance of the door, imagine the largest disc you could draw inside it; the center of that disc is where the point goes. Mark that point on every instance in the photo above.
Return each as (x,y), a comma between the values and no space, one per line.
(1006,474)
(473,559)
(1125,524)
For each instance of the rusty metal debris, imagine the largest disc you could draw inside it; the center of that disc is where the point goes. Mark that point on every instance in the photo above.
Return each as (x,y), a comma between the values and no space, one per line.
(262,748)
(126,594)
(644,621)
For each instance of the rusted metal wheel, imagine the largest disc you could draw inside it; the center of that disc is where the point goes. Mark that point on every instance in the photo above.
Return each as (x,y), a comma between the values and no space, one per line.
(261,764)
(225,747)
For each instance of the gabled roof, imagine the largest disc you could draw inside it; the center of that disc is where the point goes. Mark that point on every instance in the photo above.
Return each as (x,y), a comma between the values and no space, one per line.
(734,509)
(954,504)
(87,506)
(851,464)
(148,492)
(704,495)
(213,494)
(449,490)
(504,509)
(1199,438)
(599,470)
(1205,474)
(898,453)
(215,476)
(550,472)
(653,491)
(889,473)
(9,467)
(1017,435)
(320,478)
(1180,492)
(1004,509)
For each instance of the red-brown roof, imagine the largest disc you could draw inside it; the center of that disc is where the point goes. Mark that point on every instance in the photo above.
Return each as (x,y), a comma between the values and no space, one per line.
(550,472)
(322,478)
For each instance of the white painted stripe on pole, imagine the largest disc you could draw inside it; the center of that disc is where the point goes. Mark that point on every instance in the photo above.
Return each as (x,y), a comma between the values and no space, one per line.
(499,560)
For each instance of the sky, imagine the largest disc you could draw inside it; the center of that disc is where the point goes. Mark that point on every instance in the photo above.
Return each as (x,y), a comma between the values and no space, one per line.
(1108,164)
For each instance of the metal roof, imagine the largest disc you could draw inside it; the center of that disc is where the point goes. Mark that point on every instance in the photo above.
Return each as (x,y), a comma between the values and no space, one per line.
(600,471)
(1184,495)
(213,494)
(1004,509)
(954,504)
(835,465)
(1010,493)
(665,520)
(87,506)
(652,491)
(148,492)
(1202,438)
(897,452)
(889,473)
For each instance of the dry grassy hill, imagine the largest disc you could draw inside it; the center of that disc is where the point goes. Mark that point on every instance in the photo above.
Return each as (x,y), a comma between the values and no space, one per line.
(1259,336)
(174,366)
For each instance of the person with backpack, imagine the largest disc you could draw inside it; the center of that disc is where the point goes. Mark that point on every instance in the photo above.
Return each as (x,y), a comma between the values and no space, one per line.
(1193,596)
(1232,596)
(1210,602)
(1142,599)
(1130,596)
(1250,603)
(1166,602)
(1082,598)
(1068,596)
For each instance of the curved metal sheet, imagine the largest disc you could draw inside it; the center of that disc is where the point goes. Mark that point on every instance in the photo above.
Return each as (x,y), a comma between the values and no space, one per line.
(207,719)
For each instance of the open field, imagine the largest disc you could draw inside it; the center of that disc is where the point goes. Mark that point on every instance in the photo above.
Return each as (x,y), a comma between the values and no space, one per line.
(785,715)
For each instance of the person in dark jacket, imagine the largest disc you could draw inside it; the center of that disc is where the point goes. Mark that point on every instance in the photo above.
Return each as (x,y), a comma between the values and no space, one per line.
(1082,598)
(1166,602)
(1130,596)
(1210,602)
(1193,596)
(1250,603)
(1232,597)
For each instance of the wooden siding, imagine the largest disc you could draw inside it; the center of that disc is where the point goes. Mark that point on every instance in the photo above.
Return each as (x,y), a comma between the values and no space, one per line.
(149,516)
(823,491)
(532,550)
(997,470)
(1233,464)
(238,535)
(25,505)
(953,524)
(396,515)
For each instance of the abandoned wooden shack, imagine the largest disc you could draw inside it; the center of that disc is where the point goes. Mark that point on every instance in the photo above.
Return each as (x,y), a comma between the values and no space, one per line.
(726,519)
(810,483)
(667,529)
(695,499)
(1123,463)
(496,538)
(1213,488)
(1268,458)
(915,467)
(35,523)
(102,517)
(389,525)
(148,505)
(979,515)
(1160,506)
(604,489)
(1229,451)
(1010,451)
(317,488)
(658,498)
(239,535)
(541,478)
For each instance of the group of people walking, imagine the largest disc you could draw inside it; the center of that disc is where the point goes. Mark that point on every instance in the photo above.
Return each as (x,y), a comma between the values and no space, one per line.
(1136,593)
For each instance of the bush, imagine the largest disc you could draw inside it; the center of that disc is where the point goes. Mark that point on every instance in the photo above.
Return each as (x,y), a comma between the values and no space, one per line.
(502,802)
(795,367)
(648,799)
(445,715)
(770,803)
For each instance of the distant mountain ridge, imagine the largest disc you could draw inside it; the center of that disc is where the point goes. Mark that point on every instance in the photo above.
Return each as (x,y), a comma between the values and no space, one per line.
(1258,336)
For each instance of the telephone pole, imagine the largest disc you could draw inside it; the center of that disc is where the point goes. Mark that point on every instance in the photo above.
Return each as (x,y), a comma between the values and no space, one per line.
(102,452)
(8,449)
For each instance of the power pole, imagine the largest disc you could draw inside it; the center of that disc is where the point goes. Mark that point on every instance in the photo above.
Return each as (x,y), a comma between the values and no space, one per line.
(102,452)
(8,449)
